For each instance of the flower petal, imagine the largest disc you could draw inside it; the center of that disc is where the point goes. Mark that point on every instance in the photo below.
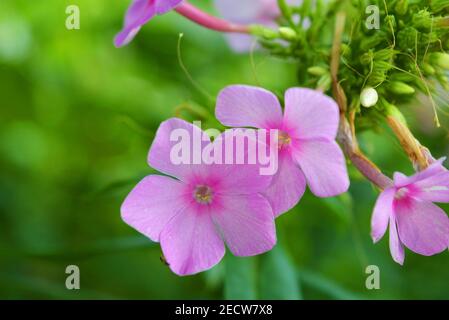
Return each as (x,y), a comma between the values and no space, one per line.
(434,188)
(396,247)
(246,223)
(139,13)
(310,114)
(383,210)
(152,203)
(323,164)
(287,187)
(400,180)
(191,243)
(163,6)
(167,158)
(246,106)
(423,227)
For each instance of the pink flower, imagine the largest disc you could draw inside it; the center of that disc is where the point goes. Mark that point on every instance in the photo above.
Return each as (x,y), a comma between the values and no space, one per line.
(138,14)
(414,220)
(263,12)
(307,148)
(197,208)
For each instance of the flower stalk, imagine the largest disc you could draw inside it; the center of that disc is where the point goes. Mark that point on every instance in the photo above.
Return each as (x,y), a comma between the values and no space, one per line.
(208,21)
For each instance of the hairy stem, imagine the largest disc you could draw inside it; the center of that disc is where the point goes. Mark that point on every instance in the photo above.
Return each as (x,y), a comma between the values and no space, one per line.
(408,142)
(202,18)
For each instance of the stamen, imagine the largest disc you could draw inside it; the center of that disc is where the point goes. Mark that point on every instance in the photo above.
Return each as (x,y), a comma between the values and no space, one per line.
(284,139)
(203,194)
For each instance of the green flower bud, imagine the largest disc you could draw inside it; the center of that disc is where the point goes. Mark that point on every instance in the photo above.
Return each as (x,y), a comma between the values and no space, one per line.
(317,71)
(384,54)
(401,7)
(288,33)
(368,97)
(440,59)
(407,38)
(345,49)
(266,33)
(422,20)
(393,111)
(366,58)
(428,69)
(400,88)
(324,82)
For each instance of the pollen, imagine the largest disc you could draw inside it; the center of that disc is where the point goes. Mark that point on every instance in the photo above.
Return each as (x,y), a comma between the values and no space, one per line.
(203,194)
(283,139)
(401,193)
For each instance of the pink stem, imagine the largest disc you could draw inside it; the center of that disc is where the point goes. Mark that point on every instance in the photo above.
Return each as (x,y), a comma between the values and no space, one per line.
(196,15)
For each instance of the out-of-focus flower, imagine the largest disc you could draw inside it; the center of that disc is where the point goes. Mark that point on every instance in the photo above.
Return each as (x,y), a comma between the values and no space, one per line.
(263,12)
(199,207)
(407,207)
(308,152)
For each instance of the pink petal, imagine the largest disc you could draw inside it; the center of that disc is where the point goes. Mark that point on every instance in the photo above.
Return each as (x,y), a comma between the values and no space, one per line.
(160,156)
(246,106)
(434,188)
(401,180)
(396,247)
(191,243)
(246,223)
(152,203)
(163,6)
(310,114)
(139,13)
(287,187)
(236,178)
(324,166)
(383,210)
(423,227)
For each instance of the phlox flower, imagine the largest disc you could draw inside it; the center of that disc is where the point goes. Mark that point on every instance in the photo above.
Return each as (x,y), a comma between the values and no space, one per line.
(414,221)
(138,14)
(307,151)
(197,208)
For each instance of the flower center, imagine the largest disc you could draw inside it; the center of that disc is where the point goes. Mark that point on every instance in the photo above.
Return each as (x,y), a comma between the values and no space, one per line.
(284,139)
(401,193)
(203,194)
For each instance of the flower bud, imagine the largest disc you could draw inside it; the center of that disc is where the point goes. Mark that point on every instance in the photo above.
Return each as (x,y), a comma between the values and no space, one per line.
(288,33)
(317,71)
(401,7)
(428,69)
(368,97)
(263,32)
(400,88)
(440,59)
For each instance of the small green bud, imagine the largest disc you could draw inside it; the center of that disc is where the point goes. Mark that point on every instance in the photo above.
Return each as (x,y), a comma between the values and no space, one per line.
(368,97)
(428,69)
(324,82)
(401,7)
(422,20)
(266,33)
(384,54)
(288,33)
(392,111)
(366,58)
(400,88)
(345,49)
(317,71)
(407,37)
(440,59)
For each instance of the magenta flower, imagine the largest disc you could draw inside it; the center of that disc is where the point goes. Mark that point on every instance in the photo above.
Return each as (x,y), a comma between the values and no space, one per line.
(307,148)
(141,11)
(414,220)
(197,208)
(138,14)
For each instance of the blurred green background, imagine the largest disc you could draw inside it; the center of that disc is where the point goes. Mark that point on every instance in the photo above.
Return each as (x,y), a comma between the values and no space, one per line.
(77,118)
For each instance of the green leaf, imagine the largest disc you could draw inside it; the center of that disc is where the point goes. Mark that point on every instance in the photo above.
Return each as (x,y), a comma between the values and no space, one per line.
(278,279)
(240,281)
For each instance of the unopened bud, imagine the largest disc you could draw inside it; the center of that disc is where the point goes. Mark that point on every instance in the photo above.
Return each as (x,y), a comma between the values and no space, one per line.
(400,88)
(317,71)
(288,33)
(440,59)
(368,97)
